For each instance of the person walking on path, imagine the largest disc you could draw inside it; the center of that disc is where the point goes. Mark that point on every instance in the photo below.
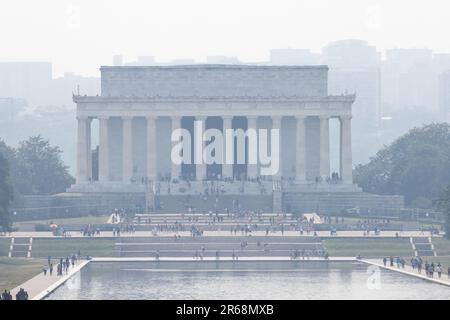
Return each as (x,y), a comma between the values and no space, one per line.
(22,295)
(6,295)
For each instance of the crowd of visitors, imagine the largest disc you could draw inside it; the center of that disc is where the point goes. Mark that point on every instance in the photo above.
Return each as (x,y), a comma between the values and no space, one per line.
(63,265)
(418,264)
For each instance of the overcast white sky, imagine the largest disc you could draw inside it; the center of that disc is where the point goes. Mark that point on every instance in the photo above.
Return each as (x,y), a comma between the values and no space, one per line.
(81,35)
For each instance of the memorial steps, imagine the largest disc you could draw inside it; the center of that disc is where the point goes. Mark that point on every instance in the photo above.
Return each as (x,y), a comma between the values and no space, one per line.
(336,202)
(217,239)
(423,247)
(225,246)
(180,203)
(210,222)
(20,247)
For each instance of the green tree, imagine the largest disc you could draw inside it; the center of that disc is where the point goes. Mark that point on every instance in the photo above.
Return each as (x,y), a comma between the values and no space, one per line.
(17,169)
(444,205)
(416,165)
(6,193)
(44,169)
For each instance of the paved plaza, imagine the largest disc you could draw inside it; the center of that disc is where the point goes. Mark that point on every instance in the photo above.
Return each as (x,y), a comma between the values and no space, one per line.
(39,286)
(408,270)
(322,234)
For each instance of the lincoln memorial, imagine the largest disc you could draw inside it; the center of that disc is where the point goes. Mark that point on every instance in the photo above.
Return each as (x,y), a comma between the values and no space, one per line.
(140,107)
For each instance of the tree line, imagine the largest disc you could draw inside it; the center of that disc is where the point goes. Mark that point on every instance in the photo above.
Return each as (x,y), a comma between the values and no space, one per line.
(35,167)
(416,165)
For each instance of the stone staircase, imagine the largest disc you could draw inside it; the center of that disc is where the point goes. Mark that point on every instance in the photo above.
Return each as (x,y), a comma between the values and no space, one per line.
(20,247)
(337,202)
(256,246)
(211,222)
(181,203)
(423,247)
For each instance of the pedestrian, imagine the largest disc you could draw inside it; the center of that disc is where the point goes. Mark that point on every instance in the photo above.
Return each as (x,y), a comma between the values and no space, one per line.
(22,295)
(6,295)
(439,271)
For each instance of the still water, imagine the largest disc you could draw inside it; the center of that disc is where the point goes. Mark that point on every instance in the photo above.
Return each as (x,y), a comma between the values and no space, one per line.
(307,280)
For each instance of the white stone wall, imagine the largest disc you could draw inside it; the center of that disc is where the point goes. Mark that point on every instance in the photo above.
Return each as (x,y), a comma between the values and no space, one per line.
(215,80)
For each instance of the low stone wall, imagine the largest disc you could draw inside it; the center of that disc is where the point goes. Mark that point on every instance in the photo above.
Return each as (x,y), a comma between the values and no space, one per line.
(77,204)
(68,205)
(336,203)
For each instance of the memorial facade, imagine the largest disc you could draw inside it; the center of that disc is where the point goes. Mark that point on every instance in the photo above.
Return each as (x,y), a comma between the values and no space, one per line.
(140,107)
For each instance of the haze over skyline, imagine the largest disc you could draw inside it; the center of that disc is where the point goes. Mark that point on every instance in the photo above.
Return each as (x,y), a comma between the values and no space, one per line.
(80,35)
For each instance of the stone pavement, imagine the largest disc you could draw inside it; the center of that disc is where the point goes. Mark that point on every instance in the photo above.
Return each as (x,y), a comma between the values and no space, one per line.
(444,280)
(325,234)
(39,286)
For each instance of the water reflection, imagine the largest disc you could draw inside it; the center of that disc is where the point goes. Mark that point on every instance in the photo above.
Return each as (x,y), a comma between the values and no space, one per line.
(204,281)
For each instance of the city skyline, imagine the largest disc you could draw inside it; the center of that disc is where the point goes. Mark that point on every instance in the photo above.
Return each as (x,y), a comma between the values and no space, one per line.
(175,29)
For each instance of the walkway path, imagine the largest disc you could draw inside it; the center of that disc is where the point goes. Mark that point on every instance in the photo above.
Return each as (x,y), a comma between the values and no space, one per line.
(445,280)
(189,259)
(324,234)
(39,286)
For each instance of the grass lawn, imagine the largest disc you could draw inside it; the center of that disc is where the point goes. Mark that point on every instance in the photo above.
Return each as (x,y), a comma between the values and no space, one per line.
(4,246)
(442,246)
(15,271)
(66,221)
(368,247)
(58,247)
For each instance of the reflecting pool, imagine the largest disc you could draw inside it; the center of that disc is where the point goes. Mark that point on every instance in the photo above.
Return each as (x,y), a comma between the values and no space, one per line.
(221,280)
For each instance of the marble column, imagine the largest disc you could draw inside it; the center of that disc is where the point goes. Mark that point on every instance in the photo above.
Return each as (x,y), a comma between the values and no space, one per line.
(324,147)
(300,150)
(227,169)
(252,169)
(276,124)
(151,148)
(346,150)
(89,149)
(127,161)
(175,170)
(82,150)
(200,170)
(103,156)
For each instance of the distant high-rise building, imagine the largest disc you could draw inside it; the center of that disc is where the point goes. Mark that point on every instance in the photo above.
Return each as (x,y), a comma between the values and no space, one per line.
(293,57)
(350,54)
(355,67)
(408,79)
(27,80)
